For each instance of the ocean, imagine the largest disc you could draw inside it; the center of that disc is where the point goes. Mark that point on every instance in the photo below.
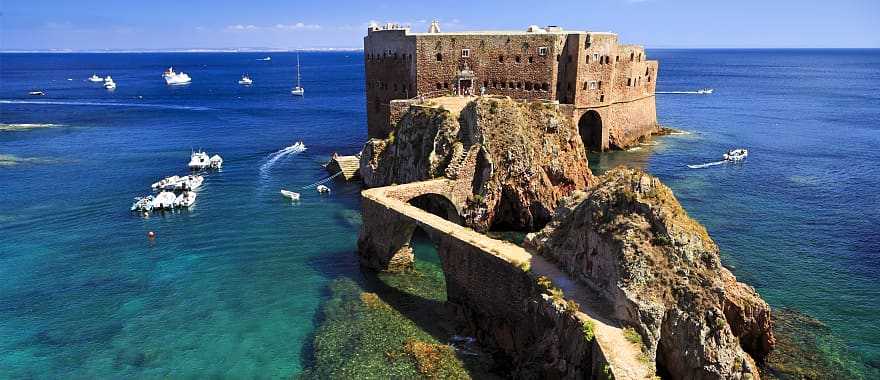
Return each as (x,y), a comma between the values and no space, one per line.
(235,286)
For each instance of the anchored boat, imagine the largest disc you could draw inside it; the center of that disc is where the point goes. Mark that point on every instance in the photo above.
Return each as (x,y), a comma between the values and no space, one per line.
(298,90)
(294,196)
(95,78)
(185,199)
(109,83)
(173,79)
(245,80)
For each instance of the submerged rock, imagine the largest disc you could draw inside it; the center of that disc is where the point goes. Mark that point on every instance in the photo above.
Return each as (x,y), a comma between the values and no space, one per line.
(629,239)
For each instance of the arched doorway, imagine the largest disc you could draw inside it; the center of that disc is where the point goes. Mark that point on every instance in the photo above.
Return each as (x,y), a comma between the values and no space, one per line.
(590,129)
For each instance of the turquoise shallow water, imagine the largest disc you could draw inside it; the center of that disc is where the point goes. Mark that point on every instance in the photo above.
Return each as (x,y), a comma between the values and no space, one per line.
(232,288)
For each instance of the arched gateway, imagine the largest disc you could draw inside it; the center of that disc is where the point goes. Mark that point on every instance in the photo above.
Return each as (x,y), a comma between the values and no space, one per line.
(590,129)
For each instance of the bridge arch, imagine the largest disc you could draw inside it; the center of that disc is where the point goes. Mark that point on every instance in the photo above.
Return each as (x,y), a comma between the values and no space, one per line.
(439,205)
(590,129)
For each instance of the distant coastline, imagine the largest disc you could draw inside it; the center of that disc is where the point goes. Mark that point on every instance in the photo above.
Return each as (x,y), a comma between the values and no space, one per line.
(229,50)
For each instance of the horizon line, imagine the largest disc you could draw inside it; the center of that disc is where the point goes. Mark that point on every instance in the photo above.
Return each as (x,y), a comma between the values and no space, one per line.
(351,49)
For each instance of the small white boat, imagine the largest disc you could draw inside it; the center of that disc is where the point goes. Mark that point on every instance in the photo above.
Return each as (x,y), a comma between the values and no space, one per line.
(294,196)
(736,154)
(143,204)
(199,160)
(245,80)
(216,162)
(95,78)
(323,189)
(164,201)
(173,79)
(190,182)
(109,83)
(36,93)
(265,59)
(186,199)
(161,184)
(705,90)
(298,90)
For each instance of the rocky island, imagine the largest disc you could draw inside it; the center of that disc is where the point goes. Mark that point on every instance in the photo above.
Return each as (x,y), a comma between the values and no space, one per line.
(615,280)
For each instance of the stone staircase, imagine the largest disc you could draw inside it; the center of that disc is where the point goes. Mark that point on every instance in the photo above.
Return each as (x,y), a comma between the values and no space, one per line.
(348,165)
(452,171)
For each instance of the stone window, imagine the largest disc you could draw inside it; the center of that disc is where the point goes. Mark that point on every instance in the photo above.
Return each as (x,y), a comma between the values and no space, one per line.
(531,59)
(647,72)
(545,86)
(439,57)
(649,79)
(542,51)
(485,84)
(439,86)
(465,53)
(593,85)
(601,98)
(501,59)
(517,59)
(629,81)
(596,57)
(640,57)
(586,85)
(529,86)
(607,59)
(557,57)
(511,85)
(632,57)
(599,85)
(519,85)
(446,85)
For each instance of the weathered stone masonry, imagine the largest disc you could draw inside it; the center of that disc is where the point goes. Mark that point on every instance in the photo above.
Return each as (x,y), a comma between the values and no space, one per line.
(609,87)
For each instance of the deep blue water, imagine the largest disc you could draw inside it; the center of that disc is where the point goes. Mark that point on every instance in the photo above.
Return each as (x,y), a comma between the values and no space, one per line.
(232,287)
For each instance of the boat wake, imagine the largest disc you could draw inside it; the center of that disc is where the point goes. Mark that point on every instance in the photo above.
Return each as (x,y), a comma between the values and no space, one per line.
(704,91)
(297,148)
(99,104)
(706,165)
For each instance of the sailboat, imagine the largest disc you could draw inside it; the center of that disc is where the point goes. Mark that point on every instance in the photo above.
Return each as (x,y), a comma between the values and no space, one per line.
(298,90)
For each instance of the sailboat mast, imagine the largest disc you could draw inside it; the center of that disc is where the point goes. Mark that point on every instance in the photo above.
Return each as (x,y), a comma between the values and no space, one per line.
(297,71)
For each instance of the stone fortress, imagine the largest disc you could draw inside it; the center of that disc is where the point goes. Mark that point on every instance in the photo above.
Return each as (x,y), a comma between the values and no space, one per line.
(606,88)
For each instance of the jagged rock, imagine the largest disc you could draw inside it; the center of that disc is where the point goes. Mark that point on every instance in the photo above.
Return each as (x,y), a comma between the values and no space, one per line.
(628,238)
(528,157)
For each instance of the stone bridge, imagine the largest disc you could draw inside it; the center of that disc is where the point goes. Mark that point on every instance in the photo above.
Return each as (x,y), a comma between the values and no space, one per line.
(495,286)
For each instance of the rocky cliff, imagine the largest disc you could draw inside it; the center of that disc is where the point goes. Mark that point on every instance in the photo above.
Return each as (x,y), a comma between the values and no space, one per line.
(629,239)
(528,156)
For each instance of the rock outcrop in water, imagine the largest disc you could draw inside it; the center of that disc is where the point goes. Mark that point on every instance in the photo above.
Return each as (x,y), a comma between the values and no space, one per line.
(528,157)
(629,239)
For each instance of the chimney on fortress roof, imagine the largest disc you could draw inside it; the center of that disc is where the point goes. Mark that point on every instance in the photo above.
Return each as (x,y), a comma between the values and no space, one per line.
(435,27)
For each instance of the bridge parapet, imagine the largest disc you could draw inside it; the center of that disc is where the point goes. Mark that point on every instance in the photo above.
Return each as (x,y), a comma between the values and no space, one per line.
(495,286)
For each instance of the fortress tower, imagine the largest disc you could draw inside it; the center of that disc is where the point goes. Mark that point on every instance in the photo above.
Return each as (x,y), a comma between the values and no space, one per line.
(608,88)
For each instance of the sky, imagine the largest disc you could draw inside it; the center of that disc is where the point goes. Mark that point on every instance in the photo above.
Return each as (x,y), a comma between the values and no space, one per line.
(298,24)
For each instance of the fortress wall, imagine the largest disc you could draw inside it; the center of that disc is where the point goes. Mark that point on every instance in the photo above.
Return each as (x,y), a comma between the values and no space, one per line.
(628,122)
(390,74)
(591,67)
(493,59)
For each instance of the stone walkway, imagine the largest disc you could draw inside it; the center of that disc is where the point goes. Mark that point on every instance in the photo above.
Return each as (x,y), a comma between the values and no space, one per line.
(623,356)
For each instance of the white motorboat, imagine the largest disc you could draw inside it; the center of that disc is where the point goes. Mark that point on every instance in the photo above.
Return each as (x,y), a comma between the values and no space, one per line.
(294,196)
(186,199)
(164,201)
(705,91)
(190,182)
(245,80)
(161,184)
(736,154)
(265,59)
(323,189)
(199,160)
(172,78)
(216,162)
(109,83)
(143,204)
(36,93)
(95,78)
(298,90)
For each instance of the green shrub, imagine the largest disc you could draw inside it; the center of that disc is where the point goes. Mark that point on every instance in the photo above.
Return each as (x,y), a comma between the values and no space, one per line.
(632,335)
(589,329)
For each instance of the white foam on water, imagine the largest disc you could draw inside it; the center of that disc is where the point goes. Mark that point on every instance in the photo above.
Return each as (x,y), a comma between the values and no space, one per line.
(706,165)
(274,157)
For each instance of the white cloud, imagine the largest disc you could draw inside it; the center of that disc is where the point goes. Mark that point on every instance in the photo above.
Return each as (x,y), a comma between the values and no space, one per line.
(283,27)
(242,27)
(297,26)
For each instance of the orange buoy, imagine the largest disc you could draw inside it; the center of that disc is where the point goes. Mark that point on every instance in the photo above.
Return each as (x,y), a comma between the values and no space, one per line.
(151,235)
